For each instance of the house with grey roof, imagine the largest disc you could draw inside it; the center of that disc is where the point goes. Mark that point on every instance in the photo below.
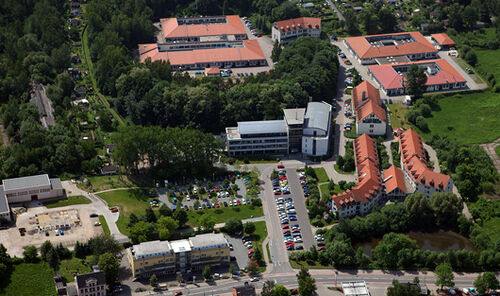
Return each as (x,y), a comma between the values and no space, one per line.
(316,130)
(32,188)
(91,284)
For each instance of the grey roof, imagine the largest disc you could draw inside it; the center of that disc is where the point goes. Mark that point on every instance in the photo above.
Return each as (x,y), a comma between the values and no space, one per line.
(152,249)
(4,204)
(317,115)
(180,246)
(295,115)
(56,183)
(82,278)
(262,127)
(26,182)
(208,241)
(245,290)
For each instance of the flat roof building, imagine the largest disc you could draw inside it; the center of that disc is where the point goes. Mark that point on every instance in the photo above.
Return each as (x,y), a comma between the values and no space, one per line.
(257,137)
(168,257)
(26,189)
(355,288)
(4,206)
(294,119)
(441,76)
(288,30)
(316,130)
(390,48)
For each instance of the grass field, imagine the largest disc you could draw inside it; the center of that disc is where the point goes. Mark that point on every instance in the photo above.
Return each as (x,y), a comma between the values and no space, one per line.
(491,228)
(397,116)
(30,279)
(68,268)
(315,265)
(104,225)
(341,171)
(130,201)
(323,189)
(222,214)
(321,174)
(489,62)
(71,200)
(468,118)
(100,183)
(258,237)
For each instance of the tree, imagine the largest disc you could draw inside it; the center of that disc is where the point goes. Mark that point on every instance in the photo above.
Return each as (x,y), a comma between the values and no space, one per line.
(446,207)
(207,273)
(132,220)
(387,19)
(81,250)
(398,289)
(166,227)
(471,58)
(180,216)
(420,210)
(486,281)
(109,265)
(207,222)
(444,272)
(150,215)
(153,281)
(280,290)
(165,210)
(267,288)
(415,81)
(307,284)
(45,249)
(249,227)
(30,254)
(196,204)
(252,267)
(469,17)
(422,124)
(276,51)
(53,259)
(257,256)
(233,226)
(143,232)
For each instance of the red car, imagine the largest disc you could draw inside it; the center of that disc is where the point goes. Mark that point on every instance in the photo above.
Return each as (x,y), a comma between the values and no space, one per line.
(277,192)
(296,230)
(238,202)
(289,243)
(281,166)
(217,205)
(285,227)
(320,248)
(250,252)
(178,293)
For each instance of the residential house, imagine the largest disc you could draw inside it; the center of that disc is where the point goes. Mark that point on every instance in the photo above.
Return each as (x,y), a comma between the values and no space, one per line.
(109,169)
(371,117)
(91,284)
(212,72)
(395,188)
(443,41)
(288,30)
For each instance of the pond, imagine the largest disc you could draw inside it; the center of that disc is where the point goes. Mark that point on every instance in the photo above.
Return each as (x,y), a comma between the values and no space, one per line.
(440,241)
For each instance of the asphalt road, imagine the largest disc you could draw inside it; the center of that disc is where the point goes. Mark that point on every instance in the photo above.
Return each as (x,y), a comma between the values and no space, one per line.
(299,201)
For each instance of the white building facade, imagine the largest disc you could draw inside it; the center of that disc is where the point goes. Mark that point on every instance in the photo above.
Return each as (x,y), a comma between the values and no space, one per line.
(288,30)
(317,129)
(32,188)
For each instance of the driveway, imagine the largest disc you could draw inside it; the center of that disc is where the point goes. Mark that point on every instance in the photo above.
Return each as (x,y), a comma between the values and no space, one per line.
(490,150)
(332,5)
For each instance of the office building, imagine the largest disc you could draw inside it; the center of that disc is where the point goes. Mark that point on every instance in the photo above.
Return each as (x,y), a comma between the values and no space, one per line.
(288,30)
(316,130)
(186,255)
(294,119)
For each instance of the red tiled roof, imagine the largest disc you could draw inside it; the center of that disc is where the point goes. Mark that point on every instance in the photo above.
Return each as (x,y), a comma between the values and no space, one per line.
(365,50)
(299,24)
(251,51)
(394,179)
(171,28)
(390,79)
(413,156)
(443,39)
(371,104)
(212,71)
(369,182)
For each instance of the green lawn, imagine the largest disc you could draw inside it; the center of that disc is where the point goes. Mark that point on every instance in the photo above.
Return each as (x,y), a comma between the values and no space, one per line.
(323,189)
(341,171)
(468,118)
(489,62)
(100,183)
(397,116)
(30,279)
(130,201)
(491,227)
(258,237)
(69,268)
(321,174)
(315,265)
(104,225)
(71,200)
(497,150)
(352,133)
(224,213)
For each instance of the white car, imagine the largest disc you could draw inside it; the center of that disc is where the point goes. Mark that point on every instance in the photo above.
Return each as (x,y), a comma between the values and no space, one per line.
(291,211)
(254,279)
(230,203)
(298,240)
(188,198)
(227,194)
(195,190)
(244,202)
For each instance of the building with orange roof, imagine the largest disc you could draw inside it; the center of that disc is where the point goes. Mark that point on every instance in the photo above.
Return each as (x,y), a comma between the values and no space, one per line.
(416,170)
(371,117)
(443,41)
(368,190)
(390,48)
(395,188)
(441,76)
(288,30)
(204,28)
(212,72)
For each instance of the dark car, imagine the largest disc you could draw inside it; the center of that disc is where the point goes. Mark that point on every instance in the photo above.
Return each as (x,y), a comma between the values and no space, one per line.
(225,203)
(186,208)
(299,247)
(94,215)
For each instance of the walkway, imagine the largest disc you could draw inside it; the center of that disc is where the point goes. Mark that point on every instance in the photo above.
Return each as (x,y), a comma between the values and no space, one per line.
(339,14)
(490,150)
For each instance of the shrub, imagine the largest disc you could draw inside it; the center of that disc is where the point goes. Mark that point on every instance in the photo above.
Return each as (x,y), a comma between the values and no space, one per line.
(471,58)
(425,110)
(422,124)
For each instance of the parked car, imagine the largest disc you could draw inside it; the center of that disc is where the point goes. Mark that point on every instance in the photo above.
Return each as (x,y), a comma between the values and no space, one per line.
(94,215)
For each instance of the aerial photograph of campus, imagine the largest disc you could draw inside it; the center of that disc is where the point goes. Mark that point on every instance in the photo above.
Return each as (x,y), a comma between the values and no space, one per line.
(249,147)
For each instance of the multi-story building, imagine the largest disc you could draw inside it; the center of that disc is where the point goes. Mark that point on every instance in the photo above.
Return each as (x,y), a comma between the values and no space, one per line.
(294,119)
(390,48)
(26,189)
(91,284)
(168,257)
(4,207)
(394,184)
(441,76)
(316,130)
(371,117)
(257,137)
(288,30)
(368,190)
(413,161)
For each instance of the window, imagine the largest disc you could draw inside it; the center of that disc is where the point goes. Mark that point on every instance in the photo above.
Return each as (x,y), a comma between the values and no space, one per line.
(372,125)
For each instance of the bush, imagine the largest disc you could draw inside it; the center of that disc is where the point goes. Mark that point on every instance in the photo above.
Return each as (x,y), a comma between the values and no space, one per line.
(257,202)
(425,110)
(471,58)
(422,124)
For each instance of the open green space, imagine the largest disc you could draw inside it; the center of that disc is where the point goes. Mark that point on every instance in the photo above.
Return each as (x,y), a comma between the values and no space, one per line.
(341,171)
(258,237)
(323,188)
(352,133)
(468,118)
(71,200)
(30,279)
(489,62)
(321,174)
(222,214)
(308,265)
(129,201)
(71,267)
(397,116)
(104,225)
(100,183)
(491,227)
